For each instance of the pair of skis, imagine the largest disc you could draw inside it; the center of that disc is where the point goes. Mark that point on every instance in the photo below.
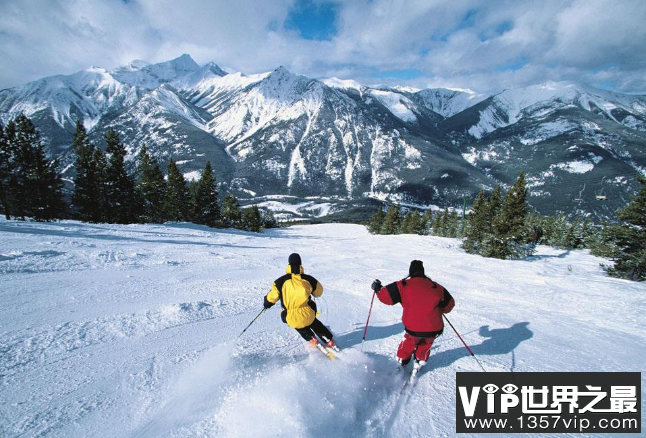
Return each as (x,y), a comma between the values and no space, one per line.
(411,381)
(328,351)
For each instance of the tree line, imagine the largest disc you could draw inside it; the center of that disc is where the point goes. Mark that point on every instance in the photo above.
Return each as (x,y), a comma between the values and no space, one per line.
(501,225)
(105,190)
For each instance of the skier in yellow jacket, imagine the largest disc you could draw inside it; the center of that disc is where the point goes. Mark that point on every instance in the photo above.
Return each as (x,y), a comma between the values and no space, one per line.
(294,291)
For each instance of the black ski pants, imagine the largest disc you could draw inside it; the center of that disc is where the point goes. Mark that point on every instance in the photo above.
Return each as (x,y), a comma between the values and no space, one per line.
(316,328)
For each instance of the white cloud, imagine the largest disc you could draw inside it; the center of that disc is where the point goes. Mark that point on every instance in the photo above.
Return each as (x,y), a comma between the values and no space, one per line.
(486,46)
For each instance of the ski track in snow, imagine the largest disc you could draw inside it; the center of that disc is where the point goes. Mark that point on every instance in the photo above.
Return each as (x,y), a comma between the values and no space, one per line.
(130,331)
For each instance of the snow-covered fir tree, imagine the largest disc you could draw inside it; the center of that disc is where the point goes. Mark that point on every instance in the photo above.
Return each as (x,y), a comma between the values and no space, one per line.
(391,220)
(206,208)
(30,183)
(89,194)
(251,219)
(231,214)
(176,205)
(629,237)
(151,187)
(122,198)
(376,221)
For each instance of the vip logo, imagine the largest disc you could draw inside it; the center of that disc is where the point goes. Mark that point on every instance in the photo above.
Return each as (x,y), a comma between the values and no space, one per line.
(506,398)
(557,402)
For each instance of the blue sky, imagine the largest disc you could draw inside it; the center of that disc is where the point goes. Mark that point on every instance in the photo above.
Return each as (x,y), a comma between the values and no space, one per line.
(313,20)
(486,46)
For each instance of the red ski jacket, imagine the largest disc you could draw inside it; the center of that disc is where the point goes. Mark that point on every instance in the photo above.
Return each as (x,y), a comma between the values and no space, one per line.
(423,300)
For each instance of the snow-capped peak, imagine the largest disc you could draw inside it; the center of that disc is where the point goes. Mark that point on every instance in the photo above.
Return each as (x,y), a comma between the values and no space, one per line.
(204,74)
(449,101)
(282,84)
(152,75)
(281,71)
(406,89)
(136,64)
(344,84)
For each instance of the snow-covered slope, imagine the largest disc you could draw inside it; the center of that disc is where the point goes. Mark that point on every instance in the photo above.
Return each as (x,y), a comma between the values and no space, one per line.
(396,103)
(404,102)
(448,102)
(131,330)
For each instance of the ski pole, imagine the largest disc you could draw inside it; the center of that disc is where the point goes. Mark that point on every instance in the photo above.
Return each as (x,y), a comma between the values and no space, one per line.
(365,330)
(252,321)
(465,344)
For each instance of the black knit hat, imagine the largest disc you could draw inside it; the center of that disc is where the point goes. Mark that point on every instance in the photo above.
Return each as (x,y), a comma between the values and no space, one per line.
(416,267)
(295,262)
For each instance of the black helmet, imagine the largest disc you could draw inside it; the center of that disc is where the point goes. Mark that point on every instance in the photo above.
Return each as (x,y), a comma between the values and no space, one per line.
(295,263)
(416,268)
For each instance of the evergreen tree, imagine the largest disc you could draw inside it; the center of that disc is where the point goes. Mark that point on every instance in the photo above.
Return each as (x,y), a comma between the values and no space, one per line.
(536,226)
(478,224)
(6,169)
(191,204)
(444,224)
(207,210)
(573,238)
(122,199)
(407,225)
(510,230)
(22,138)
(268,219)
(437,223)
(547,225)
(629,237)
(30,183)
(231,214)
(425,222)
(89,193)
(605,243)
(555,230)
(391,223)
(6,157)
(177,199)
(587,232)
(462,226)
(152,188)
(46,185)
(489,245)
(376,221)
(100,164)
(251,219)
(452,224)
(494,204)
(416,223)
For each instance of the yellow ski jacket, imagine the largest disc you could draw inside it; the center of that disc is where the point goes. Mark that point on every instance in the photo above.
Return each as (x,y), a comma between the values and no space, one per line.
(294,291)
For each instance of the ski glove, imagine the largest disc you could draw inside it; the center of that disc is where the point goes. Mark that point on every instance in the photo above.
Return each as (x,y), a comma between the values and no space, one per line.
(376,286)
(267,304)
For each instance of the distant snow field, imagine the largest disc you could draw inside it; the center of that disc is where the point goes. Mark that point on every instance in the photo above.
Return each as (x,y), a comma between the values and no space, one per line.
(130,331)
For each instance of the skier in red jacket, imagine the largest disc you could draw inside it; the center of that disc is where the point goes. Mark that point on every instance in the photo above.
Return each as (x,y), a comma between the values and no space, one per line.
(423,301)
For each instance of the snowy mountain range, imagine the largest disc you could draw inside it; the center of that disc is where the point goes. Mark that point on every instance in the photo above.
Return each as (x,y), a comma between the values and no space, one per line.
(343,143)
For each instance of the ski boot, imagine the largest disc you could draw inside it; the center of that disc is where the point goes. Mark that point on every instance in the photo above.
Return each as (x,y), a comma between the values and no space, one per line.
(331,344)
(417,366)
(316,344)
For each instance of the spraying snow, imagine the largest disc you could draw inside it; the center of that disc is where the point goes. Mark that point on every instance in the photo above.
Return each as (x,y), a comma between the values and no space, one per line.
(190,398)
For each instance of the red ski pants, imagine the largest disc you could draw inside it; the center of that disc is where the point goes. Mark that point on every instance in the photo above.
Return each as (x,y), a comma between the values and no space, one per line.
(411,344)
